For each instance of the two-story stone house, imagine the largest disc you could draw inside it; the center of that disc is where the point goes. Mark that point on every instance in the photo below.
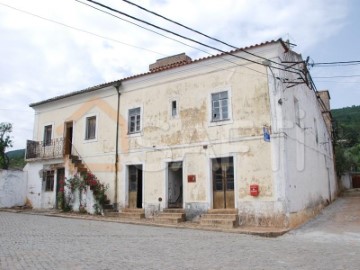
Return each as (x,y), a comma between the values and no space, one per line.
(243,131)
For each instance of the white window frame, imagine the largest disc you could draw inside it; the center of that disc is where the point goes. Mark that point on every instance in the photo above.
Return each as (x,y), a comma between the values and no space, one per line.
(220,122)
(86,117)
(171,110)
(136,132)
(52,133)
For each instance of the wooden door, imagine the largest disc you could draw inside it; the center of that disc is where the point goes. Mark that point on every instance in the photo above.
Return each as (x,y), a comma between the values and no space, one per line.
(223,183)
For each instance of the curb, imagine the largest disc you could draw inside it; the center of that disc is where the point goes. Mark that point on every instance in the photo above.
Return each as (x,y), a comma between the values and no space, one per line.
(149,222)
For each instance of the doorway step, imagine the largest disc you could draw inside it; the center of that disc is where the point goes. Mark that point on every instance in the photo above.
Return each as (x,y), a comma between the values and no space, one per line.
(171,216)
(220,218)
(132,213)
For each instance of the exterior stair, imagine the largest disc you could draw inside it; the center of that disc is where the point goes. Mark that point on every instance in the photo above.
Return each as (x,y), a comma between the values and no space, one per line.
(170,216)
(220,218)
(81,168)
(132,213)
(79,165)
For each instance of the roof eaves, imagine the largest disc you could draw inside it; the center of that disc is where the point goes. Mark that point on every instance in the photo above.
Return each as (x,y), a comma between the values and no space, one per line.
(87,90)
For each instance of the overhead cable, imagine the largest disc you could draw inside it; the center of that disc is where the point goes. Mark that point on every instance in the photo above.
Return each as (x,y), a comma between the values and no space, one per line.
(181,36)
(203,34)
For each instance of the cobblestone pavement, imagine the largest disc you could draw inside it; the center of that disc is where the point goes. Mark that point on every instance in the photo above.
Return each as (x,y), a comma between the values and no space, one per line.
(43,242)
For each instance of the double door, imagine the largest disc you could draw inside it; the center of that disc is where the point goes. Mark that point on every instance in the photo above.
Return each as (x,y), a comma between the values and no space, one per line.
(223,183)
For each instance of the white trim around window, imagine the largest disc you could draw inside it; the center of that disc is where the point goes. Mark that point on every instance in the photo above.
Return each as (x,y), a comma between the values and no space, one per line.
(52,124)
(220,121)
(91,135)
(137,130)
(174,108)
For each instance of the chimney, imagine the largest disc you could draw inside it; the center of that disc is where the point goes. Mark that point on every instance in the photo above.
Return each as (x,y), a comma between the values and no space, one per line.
(169,62)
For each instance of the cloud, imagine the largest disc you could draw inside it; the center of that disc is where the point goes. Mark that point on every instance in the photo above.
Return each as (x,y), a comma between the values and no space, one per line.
(43,59)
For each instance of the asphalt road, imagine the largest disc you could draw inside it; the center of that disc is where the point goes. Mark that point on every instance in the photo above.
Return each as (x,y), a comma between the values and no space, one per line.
(331,241)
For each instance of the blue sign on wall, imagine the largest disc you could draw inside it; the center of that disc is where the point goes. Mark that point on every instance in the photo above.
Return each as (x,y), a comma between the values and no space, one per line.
(266,134)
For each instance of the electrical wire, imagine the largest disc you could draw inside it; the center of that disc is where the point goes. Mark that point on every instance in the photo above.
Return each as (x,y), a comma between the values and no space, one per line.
(339,76)
(205,35)
(179,35)
(106,12)
(79,29)
(341,63)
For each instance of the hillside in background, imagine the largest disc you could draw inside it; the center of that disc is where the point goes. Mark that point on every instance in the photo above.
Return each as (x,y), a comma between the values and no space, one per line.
(16,159)
(347,138)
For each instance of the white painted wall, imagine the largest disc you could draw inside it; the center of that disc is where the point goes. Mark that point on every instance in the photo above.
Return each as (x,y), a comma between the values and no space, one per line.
(303,164)
(346,181)
(98,154)
(12,188)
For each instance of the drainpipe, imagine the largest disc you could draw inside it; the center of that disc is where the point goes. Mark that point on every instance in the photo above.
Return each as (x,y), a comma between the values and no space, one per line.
(116,205)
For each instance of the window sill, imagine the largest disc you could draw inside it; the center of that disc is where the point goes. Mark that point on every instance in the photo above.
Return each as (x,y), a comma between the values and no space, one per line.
(135,134)
(90,140)
(220,122)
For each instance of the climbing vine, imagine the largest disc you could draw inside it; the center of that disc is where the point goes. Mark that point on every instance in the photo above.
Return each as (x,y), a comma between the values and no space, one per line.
(76,183)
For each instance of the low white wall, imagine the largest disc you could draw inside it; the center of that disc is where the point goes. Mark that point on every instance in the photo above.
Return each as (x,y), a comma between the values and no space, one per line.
(13,185)
(346,181)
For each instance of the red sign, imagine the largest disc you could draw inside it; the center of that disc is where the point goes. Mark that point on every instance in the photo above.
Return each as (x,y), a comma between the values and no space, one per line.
(191,178)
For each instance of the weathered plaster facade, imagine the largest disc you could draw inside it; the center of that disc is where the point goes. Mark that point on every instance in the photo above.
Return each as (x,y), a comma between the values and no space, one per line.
(166,117)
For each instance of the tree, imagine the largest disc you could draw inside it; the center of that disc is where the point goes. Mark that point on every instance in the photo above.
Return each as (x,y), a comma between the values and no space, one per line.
(5,141)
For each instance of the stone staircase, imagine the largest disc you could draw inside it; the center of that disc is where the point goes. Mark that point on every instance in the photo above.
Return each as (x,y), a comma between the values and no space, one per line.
(79,165)
(220,218)
(171,216)
(83,171)
(132,213)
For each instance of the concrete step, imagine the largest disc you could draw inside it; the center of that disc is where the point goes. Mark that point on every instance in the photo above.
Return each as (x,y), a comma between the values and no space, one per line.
(133,210)
(219,216)
(168,220)
(81,170)
(173,210)
(111,214)
(219,223)
(131,215)
(223,211)
(172,215)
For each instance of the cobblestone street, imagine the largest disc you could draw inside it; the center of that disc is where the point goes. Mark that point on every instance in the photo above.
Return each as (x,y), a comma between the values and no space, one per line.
(43,242)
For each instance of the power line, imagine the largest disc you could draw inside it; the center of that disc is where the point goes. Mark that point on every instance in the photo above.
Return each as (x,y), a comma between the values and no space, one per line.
(79,29)
(181,36)
(148,29)
(340,76)
(165,35)
(340,63)
(201,33)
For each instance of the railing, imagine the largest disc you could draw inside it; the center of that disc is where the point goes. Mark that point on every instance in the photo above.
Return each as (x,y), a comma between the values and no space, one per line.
(44,149)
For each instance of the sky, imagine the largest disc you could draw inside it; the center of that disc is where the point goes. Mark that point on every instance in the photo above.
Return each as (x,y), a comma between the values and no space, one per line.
(52,47)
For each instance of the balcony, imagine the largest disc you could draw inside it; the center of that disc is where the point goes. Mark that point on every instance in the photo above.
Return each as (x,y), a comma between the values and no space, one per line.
(36,150)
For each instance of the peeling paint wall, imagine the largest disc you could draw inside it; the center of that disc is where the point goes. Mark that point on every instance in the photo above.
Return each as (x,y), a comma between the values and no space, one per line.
(192,136)
(12,188)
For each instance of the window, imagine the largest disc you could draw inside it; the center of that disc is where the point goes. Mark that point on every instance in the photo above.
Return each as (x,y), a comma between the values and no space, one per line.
(47,135)
(49,180)
(173,108)
(220,106)
(134,120)
(297,112)
(90,128)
